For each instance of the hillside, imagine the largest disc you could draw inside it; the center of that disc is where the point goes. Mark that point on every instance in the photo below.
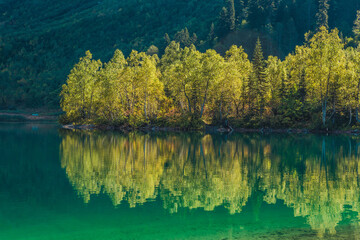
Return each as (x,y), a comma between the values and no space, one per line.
(40,40)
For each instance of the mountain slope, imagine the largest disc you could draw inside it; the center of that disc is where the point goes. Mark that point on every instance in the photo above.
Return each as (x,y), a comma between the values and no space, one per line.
(40,40)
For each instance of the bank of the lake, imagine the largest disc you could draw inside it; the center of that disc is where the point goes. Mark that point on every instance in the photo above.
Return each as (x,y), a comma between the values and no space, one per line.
(35,115)
(211,129)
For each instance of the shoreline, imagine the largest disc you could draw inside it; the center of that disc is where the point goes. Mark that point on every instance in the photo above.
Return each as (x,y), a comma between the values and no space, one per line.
(211,129)
(9,116)
(25,117)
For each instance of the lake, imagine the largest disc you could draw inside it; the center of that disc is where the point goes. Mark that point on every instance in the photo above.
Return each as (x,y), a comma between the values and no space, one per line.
(61,184)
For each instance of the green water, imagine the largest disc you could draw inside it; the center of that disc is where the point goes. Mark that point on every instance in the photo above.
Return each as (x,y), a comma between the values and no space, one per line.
(58,184)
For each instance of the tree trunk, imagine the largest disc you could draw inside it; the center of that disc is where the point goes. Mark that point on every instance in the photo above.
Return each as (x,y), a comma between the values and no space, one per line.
(324,112)
(220,113)
(189,103)
(357,102)
(145,106)
(90,107)
(203,104)
(350,117)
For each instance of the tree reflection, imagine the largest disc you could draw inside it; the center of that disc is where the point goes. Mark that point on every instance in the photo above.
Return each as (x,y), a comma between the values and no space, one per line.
(317,176)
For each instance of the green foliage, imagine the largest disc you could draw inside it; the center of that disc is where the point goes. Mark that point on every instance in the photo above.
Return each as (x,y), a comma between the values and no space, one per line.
(80,95)
(231,14)
(317,86)
(39,47)
(260,80)
(123,91)
(356,27)
(322,18)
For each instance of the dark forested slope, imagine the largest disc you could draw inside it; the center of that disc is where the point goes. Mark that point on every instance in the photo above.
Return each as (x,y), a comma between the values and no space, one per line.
(40,40)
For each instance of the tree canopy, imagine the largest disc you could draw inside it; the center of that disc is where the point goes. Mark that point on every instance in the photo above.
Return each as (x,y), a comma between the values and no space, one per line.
(314,87)
(38,48)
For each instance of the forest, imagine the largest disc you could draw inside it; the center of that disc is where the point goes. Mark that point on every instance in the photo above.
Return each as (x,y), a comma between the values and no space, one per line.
(41,40)
(315,87)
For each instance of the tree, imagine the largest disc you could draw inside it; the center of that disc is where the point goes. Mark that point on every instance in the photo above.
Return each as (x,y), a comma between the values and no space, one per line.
(181,68)
(211,82)
(294,86)
(324,64)
(189,77)
(144,89)
(167,39)
(262,87)
(351,90)
(183,37)
(241,11)
(275,72)
(112,94)
(80,95)
(211,34)
(258,12)
(238,69)
(152,50)
(231,15)
(356,27)
(223,22)
(322,18)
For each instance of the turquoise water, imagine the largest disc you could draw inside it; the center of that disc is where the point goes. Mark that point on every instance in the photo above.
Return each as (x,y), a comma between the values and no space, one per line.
(57,184)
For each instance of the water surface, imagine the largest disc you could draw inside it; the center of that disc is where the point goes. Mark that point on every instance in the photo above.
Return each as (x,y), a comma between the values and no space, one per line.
(57,184)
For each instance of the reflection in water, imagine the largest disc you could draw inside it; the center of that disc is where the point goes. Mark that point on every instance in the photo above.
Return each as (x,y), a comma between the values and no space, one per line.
(317,176)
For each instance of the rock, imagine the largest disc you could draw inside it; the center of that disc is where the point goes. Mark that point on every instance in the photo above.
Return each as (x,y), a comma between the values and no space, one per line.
(81,127)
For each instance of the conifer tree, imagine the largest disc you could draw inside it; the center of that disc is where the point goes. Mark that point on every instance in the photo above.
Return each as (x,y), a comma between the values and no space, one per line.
(259,75)
(240,10)
(194,39)
(183,37)
(223,22)
(231,15)
(356,28)
(322,17)
(152,50)
(167,39)
(257,14)
(211,34)
(302,86)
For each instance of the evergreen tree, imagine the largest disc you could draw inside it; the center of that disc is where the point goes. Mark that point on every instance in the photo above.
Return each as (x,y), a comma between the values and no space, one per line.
(310,8)
(356,28)
(223,22)
(257,14)
(231,15)
(302,86)
(167,39)
(183,37)
(241,11)
(259,75)
(152,50)
(322,17)
(194,39)
(211,34)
